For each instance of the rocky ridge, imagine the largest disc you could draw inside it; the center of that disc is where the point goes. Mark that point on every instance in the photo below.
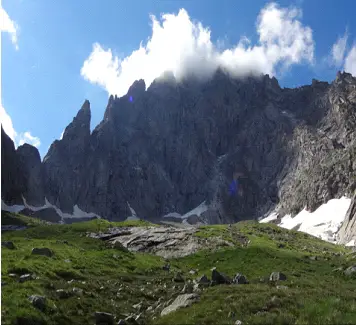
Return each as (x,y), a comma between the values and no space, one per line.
(172,146)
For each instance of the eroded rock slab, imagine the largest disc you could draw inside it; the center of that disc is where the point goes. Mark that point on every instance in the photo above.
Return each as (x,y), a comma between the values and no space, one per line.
(181,301)
(168,242)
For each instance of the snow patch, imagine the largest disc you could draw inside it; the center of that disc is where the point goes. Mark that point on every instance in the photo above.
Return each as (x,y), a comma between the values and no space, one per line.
(201,208)
(132,218)
(11,208)
(323,223)
(133,212)
(77,212)
(198,210)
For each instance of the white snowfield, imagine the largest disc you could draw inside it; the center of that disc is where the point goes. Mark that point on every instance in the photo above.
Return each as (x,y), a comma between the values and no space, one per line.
(323,223)
(77,212)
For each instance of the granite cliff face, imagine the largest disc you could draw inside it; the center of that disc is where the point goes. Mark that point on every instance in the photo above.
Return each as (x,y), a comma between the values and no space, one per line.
(174,145)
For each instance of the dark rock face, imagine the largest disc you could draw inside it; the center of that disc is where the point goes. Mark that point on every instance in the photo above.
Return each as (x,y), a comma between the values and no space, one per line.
(30,165)
(174,145)
(64,164)
(12,180)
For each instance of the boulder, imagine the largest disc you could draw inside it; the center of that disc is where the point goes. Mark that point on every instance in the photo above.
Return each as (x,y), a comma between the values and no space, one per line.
(25,277)
(219,278)
(8,244)
(63,294)
(203,280)
(239,279)
(38,302)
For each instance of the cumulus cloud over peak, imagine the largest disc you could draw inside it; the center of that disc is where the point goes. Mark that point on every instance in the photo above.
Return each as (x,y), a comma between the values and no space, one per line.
(9,26)
(27,137)
(185,47)
(6,123)
(18,139)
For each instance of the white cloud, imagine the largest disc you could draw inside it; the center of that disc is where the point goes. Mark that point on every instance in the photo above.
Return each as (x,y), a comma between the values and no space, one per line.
(61,136)
(338,50)
(28,138)
(18,139)
(6,123)
(9,26)
(182,46)
(350,61)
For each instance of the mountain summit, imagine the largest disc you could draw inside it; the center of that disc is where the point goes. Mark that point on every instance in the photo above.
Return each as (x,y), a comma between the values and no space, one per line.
(176,146)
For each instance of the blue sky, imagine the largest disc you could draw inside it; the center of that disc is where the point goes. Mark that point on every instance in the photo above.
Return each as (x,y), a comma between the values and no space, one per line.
(56,54)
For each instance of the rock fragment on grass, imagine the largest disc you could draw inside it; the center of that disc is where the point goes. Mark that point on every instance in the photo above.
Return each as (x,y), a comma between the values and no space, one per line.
(38,302)
(44,251)
(277,276)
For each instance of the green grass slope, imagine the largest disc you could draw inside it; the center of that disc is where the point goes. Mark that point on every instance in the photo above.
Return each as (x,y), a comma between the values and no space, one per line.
(115,280)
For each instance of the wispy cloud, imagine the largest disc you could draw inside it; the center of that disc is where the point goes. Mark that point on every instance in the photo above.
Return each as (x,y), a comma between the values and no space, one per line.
(338,50)
(341,56)
(9,26)
(182,46)
(350,61)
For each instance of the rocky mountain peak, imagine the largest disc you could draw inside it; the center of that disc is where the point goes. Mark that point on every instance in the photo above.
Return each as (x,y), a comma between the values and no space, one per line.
(80,126)
(179,144)
(344,77)
(137,89)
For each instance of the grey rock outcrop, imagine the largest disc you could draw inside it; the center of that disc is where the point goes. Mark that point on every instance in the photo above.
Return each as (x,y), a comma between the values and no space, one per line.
(167,242)
(347,232)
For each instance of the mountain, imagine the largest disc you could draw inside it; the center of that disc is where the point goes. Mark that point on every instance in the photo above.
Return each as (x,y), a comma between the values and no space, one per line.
(175,146)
